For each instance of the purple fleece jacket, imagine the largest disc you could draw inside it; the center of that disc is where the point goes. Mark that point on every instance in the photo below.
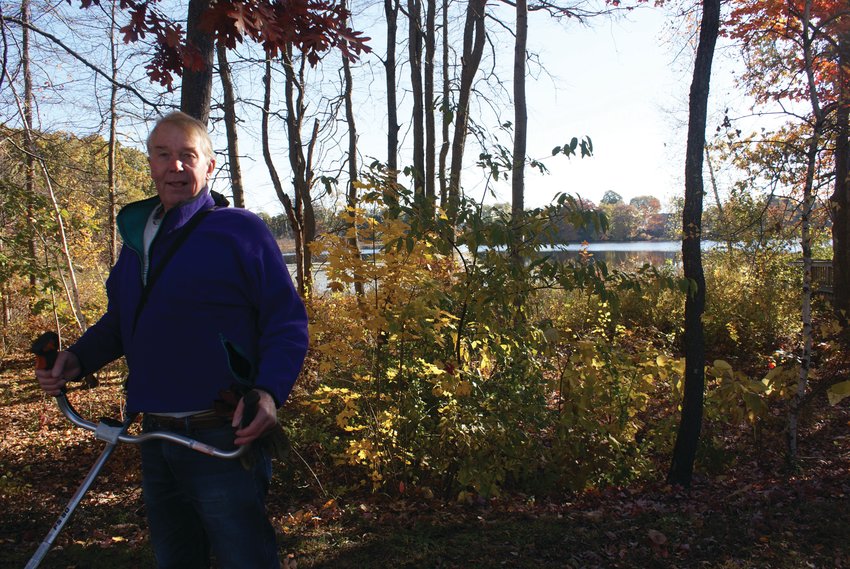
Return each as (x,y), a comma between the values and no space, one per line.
(224,306)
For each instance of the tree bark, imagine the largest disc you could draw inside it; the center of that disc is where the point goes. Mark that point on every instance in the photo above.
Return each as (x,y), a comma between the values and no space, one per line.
(520,114)
(301,171)
(414,8)
(445,111)
(294,219)
(473,47)
(687,438)
(721,214)
(196,90)
(29,166)
(391,12)
(840,199)
(430,121)
(806,308)
(808,206)
(230,127)
(112,197)
(351,194)
(5,295)
(71,288)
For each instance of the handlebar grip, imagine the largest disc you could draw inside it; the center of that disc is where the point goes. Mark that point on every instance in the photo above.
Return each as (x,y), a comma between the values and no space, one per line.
(250,402)
(45,348)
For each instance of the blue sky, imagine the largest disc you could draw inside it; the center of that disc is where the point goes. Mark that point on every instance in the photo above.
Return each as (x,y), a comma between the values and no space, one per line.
(621,81)
(617,82)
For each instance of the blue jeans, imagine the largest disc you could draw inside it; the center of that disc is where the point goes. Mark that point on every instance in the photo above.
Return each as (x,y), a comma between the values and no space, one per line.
(198,504)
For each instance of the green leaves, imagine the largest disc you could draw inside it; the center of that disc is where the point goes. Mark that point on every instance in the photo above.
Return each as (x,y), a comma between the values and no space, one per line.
(585,145)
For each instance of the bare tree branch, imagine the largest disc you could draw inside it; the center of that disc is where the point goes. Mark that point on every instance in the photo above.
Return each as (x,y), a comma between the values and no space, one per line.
(81,59)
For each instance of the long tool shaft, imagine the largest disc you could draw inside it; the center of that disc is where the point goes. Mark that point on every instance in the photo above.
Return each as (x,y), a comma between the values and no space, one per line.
(45,546)
(112,432)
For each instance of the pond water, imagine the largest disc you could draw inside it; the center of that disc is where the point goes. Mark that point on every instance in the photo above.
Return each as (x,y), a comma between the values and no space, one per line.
(612,253)
(617,253)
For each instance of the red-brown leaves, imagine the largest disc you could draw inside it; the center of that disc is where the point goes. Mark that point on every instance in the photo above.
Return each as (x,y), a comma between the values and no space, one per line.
(785,26)
(311,26)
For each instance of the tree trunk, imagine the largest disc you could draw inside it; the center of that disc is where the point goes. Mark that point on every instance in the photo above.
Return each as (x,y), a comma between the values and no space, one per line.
(301,172)
(473,47)
(430,122)
(5,296)
(309,223)
(351,194)
(294,222)
(444,111)
(25,111)
(414,8)
(840,199)
(29,166)
(391,12)
(230,127)
(112,197)
(808,206)
(721,213)
(687,438)
(196,89)
(806,308)
(520,114)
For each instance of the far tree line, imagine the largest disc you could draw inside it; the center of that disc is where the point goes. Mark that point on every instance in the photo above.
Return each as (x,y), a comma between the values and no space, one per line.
(756,222)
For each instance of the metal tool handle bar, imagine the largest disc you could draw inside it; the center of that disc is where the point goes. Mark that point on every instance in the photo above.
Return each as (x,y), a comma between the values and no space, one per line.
(114,434)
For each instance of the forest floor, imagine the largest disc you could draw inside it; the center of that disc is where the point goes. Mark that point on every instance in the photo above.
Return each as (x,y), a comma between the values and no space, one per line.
(755,515)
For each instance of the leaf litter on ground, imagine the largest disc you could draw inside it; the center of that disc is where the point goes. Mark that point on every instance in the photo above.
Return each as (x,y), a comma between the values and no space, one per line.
(754,514)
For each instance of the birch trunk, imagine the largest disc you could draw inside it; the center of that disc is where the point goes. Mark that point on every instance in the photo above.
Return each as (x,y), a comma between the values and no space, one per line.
(808,205)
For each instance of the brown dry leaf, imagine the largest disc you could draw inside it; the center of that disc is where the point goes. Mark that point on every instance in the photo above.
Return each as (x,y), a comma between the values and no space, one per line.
(657,537)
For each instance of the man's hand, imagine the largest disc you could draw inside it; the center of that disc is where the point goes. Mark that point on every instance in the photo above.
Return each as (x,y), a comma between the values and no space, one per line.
(53,380)
(266,419)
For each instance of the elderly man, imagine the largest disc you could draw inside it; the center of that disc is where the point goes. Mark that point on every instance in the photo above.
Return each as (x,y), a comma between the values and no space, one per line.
(201,305)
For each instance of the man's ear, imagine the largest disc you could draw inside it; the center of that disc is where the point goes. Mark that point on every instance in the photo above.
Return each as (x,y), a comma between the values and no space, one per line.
(211,167)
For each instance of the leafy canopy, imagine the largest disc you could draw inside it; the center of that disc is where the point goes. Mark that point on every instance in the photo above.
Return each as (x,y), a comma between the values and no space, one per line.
(312,26)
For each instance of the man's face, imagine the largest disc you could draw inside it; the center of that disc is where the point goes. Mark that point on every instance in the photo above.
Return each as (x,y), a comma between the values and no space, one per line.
(179,167)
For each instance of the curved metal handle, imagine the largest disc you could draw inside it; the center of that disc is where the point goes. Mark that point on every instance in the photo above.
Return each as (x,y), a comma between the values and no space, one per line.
(114,433)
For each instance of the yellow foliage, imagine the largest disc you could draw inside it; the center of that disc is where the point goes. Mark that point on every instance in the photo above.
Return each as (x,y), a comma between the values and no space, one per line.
(838,392)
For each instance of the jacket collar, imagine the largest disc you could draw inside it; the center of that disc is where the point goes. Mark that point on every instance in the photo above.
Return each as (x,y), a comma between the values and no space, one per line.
(132,218)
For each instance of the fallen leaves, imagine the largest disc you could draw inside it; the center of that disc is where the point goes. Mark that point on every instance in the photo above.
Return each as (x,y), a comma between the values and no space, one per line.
(753,515)
(658,541)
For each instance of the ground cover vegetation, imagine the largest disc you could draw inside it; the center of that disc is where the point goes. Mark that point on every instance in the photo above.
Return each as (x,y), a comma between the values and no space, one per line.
(469,410)
(468,400)
(436,427)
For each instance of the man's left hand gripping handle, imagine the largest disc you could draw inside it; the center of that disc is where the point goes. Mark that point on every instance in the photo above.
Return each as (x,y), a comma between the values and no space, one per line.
(45,348)
(53,368)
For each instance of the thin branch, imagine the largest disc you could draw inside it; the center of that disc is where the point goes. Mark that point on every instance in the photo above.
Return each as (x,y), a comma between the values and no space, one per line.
(73,291)
(82,60)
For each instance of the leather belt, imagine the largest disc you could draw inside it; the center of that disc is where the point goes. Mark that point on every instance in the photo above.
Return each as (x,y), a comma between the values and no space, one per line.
(206,420)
